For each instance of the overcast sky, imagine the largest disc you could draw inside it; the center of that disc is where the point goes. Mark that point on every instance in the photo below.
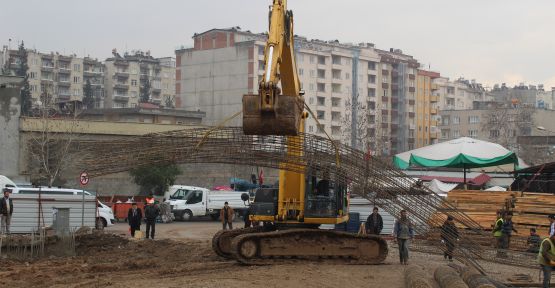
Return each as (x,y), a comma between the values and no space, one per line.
(492,41)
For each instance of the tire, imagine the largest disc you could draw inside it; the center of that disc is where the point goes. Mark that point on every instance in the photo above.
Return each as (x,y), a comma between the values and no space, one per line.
(100,223)
(187,215)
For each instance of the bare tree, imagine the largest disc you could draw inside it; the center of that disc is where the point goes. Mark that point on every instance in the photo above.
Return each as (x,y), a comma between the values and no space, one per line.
(52,144)
(361,125)
(505,123)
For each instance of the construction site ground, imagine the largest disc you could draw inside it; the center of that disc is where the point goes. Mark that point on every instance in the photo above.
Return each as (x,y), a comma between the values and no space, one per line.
(181,256)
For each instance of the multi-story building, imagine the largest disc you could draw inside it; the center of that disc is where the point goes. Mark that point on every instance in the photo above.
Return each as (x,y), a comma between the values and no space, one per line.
(56,79)
(126,76)
(531,95)
(93,74)
(427,131)
(359,95)
(459,94)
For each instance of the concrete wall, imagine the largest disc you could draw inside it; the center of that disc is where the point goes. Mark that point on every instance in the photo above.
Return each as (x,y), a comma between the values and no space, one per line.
(9,132)
(214,81)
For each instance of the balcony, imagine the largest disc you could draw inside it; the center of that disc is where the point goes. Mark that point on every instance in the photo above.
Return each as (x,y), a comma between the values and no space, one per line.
(394,73)
(121,97)
(412,89)
(385,99)
(434,98)
(412,76)
(122,74)
(434,135)
(385,85)
(64,83)
(385,72)
(411,114)
(384,125)
(435,87)
(433,111)
(411,102)
(46,81)
(156,100)
(156,90)
(47,68)
(412,126)
(64,70)
(64,96)
(121,86)
(64,58)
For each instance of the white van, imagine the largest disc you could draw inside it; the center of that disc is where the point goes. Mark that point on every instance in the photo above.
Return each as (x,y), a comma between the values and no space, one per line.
(6,182)
(105,213)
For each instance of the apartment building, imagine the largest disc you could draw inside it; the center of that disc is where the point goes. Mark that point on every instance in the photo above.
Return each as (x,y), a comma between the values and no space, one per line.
(459,94)
(360,95)
(56,79)
(531,95)
(126,76)
(427,131)
(397,78)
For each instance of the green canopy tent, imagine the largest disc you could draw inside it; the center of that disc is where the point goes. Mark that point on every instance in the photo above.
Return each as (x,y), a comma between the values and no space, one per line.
(462,153)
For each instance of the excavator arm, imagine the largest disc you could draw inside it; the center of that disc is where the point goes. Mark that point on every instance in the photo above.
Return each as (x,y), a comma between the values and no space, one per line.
(271,112)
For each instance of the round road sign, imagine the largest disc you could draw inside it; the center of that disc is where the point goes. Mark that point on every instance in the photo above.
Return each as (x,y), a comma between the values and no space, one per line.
(84,178)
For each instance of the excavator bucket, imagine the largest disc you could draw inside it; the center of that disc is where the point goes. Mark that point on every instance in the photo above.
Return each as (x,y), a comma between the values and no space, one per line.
(284,120)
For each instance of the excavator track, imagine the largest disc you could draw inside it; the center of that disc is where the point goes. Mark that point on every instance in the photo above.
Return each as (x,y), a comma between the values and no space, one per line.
(273,247)
(221,241)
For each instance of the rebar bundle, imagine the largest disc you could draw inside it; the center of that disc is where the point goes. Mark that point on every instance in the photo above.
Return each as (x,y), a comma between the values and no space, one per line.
(366,176)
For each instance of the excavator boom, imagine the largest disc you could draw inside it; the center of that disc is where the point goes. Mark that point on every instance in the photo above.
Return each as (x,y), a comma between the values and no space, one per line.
(271,112)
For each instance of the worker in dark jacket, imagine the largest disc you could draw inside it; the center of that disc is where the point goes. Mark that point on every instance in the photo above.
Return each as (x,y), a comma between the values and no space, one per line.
(374,223)
(6,211)
(134,217)
(449,235)
(226,215)
(151,213)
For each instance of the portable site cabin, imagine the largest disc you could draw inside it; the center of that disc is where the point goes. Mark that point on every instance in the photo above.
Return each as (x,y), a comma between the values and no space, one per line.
(62,212)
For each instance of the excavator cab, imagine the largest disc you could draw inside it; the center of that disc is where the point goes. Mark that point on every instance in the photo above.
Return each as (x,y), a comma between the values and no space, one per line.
(324,198)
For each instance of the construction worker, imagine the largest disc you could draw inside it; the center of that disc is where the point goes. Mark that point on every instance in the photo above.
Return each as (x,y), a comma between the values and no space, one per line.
(533,241)
(6,211)
(226,215)
(551,224)
(498,230)
(151,213)
(449,234)
(374,223)
(134,217)
(546,258)
(508,229)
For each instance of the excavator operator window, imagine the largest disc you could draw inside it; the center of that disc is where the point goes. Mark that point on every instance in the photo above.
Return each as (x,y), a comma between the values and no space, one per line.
(321,197)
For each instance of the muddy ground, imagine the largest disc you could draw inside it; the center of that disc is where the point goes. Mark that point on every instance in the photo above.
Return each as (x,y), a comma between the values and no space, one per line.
(185,259)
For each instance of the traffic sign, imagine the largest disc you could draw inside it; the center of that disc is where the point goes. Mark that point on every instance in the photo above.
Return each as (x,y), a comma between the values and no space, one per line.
(84,178)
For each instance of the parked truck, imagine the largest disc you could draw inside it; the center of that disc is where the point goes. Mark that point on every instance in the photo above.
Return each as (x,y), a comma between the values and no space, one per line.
(189,201)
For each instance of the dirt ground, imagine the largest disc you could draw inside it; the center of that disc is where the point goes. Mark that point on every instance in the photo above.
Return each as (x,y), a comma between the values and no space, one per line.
(181,256)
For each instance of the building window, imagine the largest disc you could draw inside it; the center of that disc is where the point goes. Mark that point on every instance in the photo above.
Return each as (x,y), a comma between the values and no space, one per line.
(456,134)
(321,73)
(76,92)
(311,87)
(260,50)
(493,134)
(134,94)
(336,74)
(320,115)
(456,120)
(301,72)
(335,102)
(347,76)
(76,67)
(321,128)
(371,92)
(336,60)
(133,82)
(300,58)
(261,65)
(312,73)
(372,79)
(321,101)
(336,88)
(371,65)
(321,60)
(321,87)
(384,79)
(473,133)
(76,79)
(312,59)
(474,119)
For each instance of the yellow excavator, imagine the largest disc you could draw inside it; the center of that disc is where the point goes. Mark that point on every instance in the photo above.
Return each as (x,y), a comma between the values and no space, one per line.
(293,212)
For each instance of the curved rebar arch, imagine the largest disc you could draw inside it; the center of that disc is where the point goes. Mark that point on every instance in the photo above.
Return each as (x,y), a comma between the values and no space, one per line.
(366,176)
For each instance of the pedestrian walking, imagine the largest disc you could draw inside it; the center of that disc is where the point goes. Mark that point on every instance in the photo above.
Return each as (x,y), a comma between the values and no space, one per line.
(449,236)
(374,223)
(134,217)
(546,259)
(403,232)
(226,214)
(6,211)
(151,213)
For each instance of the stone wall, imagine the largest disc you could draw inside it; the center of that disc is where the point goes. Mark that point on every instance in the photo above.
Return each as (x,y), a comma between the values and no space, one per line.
(10,109)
